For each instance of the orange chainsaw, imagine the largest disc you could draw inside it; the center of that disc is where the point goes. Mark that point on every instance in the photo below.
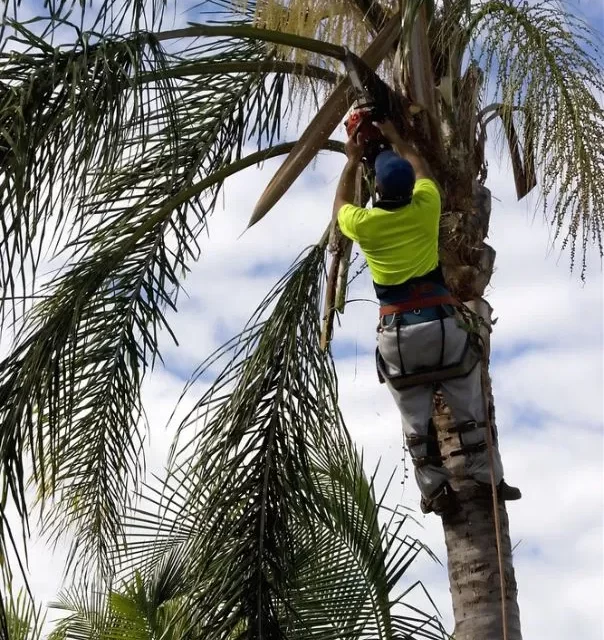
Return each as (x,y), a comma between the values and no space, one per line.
(365,111)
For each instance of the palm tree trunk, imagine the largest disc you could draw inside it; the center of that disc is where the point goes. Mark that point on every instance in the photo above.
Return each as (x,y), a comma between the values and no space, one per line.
(470,535)
(472,555)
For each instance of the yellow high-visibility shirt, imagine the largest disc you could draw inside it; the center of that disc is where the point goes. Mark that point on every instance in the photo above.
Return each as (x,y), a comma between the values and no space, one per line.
(398,244)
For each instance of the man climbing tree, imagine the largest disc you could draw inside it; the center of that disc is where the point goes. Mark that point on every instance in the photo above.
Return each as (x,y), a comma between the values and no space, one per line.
(419,329)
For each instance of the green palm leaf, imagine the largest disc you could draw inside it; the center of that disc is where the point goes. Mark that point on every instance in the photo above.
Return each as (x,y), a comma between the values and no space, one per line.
(90,616)
(70,389)
(110,16)
(118,113)
(252,460)
(63,115)
(24,619)
(546,67)
(267,490)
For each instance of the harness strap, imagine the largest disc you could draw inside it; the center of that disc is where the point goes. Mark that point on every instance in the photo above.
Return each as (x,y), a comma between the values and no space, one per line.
(418,303)
(416,439)
(441,358)
(427,460)
(433,375)
(398,346)
(465,427)
(469,448)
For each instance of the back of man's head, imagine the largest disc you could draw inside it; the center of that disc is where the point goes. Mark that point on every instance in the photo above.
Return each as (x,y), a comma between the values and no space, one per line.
(394,176)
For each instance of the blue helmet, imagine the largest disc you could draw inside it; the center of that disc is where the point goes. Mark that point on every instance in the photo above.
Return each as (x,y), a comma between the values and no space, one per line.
(394,176)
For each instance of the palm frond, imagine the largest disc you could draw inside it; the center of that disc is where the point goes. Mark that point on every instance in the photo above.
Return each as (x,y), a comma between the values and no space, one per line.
(291,40)
(544,64)
(251,462)
(352,560)
(65,114)
(72,118)
(24,618)
(107,16)
(347,560)
(249,472)
(267,489)
(70,389)
(416,75)
(94,610)
(89,615)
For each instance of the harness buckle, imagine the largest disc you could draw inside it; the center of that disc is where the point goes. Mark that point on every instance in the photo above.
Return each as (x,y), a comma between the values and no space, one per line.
(392,318)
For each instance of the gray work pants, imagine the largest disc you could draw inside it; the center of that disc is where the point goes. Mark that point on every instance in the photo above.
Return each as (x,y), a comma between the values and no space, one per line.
(419,345)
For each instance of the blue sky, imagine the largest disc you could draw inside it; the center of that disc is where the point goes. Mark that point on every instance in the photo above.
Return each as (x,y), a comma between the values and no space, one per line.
(547,374)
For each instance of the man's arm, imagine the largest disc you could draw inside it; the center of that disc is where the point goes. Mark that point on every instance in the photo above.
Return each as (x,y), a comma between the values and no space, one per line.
(346,186)
(405,150)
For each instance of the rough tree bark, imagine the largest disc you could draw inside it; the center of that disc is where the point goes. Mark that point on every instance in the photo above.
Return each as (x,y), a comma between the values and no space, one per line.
(470,535)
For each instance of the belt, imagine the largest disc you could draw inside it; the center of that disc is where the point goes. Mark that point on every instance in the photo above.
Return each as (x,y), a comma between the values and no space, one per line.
(417,316)
(418,303)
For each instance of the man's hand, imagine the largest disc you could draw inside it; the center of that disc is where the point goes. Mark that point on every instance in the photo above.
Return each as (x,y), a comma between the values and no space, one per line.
(354,147)
(404,149)
(388,130)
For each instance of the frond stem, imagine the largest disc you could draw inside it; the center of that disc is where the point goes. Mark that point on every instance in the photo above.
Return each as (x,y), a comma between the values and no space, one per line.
(496,107)
(217,68)
(254,33)
(218,176)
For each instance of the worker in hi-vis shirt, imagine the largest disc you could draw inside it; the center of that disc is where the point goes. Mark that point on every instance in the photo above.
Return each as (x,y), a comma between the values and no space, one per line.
(418,327)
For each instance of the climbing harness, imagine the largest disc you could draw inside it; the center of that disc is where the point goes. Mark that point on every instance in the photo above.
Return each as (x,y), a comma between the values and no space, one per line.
(421,297)
(432,455)
(417,303)
(469,358)
(432,375)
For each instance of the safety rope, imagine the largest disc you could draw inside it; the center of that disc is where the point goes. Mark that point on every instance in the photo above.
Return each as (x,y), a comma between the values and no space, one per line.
(491,456)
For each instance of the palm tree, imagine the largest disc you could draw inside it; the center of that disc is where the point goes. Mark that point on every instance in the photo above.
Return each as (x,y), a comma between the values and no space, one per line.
(113,150)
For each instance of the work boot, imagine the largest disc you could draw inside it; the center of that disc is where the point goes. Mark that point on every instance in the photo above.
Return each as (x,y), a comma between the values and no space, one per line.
(505,492)
(443,502)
